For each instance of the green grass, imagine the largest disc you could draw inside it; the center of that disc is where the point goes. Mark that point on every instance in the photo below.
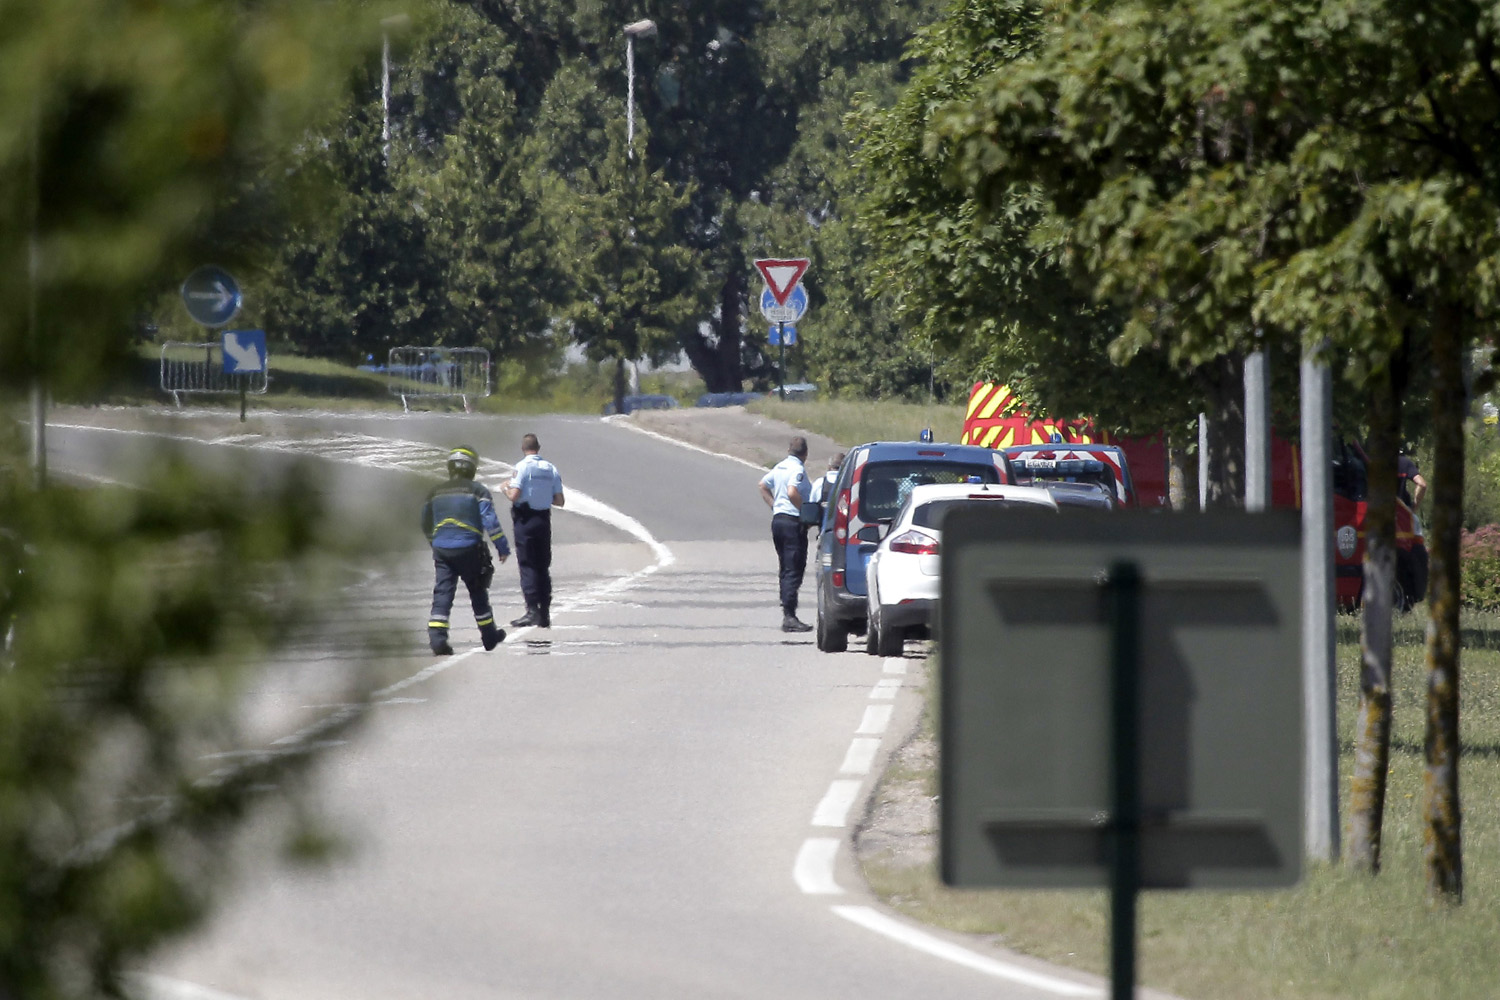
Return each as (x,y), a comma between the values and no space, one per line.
(851,422)
(1339,934)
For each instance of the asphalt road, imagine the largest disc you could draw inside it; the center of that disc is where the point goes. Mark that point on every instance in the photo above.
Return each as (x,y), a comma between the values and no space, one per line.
(652,799)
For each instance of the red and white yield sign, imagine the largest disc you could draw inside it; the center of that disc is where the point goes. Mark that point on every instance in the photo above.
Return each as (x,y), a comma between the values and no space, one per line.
(782,276)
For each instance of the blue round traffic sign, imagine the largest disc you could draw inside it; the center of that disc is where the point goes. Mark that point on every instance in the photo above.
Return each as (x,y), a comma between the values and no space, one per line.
(211,295)
(795,308)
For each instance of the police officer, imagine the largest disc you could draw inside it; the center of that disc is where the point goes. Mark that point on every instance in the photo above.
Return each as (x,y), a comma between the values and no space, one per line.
(533,491)
(783,489)
(456,518)
(824,483)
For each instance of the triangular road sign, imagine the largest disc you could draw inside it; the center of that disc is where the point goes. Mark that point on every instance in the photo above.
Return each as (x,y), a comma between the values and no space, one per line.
(782,276)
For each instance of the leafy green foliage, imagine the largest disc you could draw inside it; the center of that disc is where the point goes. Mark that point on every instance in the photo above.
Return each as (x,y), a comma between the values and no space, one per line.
(1480,553)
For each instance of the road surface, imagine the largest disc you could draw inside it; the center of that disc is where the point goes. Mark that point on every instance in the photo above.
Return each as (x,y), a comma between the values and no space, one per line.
(652,799)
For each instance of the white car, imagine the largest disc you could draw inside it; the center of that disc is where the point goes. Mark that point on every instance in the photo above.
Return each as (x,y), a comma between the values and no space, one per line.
(904,571)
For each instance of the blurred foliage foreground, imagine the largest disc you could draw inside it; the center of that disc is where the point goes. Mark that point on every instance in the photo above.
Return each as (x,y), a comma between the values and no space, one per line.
(134,619)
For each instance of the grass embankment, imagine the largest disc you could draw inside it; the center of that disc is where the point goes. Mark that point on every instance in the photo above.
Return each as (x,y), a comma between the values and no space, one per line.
(852,422)
(1339,934)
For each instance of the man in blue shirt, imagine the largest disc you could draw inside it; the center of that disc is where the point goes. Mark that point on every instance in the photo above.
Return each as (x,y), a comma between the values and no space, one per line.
(783,489)
(533,491)
(456,518)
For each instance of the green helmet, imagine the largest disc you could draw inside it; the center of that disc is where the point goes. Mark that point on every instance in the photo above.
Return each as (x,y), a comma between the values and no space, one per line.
(463,461)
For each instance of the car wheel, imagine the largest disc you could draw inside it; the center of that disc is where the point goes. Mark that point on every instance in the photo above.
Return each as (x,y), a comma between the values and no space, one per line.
(832,636)
(889,641)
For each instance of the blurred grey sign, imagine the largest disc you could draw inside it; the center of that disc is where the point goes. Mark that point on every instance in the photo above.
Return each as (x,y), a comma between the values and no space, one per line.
(1025,675)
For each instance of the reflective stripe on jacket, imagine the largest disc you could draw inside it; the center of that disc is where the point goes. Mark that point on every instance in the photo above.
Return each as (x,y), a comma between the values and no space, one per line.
(460,513)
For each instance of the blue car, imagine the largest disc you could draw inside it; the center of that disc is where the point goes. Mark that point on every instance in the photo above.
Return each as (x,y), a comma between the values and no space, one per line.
(872,484)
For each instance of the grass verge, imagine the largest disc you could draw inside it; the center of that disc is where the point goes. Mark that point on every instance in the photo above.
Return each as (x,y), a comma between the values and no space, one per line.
(852,422)
(1339,935)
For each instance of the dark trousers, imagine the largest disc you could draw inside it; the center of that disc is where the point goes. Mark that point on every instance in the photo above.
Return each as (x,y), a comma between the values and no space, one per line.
(471,565)
(531,533)
(790,538)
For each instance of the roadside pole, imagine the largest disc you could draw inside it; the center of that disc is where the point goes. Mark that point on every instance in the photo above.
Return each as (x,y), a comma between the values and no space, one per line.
(1321,778)
(781,365)
(1257,431)
(1122,595)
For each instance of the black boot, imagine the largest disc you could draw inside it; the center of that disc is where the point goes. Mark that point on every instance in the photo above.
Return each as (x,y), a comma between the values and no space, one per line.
(437,638)
(790,623)
(527,620)
(544,617)
(491,636)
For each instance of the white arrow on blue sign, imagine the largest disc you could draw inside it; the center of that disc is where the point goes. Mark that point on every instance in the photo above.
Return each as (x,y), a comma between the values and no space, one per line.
(783,333)
(211,295)
(243,351)
(795,308)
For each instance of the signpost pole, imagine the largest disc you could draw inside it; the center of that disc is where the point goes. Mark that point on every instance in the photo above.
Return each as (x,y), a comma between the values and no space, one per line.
(242,400)
(1122,595)
(781,368)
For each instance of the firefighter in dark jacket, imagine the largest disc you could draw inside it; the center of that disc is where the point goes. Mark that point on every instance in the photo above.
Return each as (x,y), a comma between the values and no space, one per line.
(457,517)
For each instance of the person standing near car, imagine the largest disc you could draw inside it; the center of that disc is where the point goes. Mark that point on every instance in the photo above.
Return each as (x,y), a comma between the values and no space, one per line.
(533,491)
(824,483)
(783,489)
(1410,486)
(456,518)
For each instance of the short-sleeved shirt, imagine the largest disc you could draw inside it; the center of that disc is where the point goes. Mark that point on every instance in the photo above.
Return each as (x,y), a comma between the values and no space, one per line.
(538,480)
(786,473)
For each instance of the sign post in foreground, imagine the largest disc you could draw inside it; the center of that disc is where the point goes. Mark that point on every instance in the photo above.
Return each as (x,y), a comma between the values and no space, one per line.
(1121,703)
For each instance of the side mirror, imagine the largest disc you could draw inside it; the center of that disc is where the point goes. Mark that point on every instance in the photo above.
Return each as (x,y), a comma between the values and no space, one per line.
(870,533)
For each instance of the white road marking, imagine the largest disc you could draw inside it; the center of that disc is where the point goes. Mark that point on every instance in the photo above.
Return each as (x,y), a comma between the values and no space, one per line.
(861,756)
(876,718)
(895,666)
(837,801)
(872,919)
(813,871)
(886,688)
(164,988)
(625,421)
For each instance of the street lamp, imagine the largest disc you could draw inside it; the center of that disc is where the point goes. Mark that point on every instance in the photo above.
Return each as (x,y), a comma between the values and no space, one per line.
(641,29)
(387,25)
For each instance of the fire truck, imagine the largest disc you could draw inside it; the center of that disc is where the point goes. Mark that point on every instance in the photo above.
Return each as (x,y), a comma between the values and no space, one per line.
(997,419)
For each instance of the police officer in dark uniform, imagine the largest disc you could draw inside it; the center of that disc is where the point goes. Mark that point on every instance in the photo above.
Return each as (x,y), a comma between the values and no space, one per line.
(533,491)
(456,518)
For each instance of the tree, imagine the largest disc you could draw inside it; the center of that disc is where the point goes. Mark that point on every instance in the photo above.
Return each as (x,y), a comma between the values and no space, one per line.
(1303,169)
(126,130)
(633,288)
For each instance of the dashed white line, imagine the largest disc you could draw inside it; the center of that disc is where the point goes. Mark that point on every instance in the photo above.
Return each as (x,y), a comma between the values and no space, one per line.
(875,721)
(833,810)
(813,871)
(874,920)
(895,666)
(886,688)
(861,756)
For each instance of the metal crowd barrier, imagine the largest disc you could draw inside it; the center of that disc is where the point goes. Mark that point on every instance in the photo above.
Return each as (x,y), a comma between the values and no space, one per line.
(435,372)
(189,367)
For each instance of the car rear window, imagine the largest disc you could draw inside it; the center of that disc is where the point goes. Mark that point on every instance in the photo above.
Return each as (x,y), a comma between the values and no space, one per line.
(884,486)
(930,515)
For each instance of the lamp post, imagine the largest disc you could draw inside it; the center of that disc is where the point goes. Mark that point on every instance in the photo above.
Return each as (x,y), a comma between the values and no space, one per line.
(387,25)
(634,30)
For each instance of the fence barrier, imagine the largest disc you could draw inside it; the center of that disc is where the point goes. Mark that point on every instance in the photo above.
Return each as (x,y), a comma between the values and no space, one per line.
(434,372)
(189,367)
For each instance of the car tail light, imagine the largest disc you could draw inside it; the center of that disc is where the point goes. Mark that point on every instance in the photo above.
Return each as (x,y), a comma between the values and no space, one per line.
(915,543)
(838,578)
(841,518)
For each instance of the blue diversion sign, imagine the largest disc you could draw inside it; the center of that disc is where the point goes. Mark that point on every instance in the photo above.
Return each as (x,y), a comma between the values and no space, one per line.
(244,352)
(211,295)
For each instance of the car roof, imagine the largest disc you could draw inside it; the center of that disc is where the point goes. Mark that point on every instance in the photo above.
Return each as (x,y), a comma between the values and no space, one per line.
(897,450)
(963,491)
(1016,449)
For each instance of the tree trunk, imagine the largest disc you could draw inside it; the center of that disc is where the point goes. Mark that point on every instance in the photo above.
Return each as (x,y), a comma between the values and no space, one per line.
(1182,473)
(619,385)
(1223,380)
(717,361)
(1441,817)
(1372,726)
